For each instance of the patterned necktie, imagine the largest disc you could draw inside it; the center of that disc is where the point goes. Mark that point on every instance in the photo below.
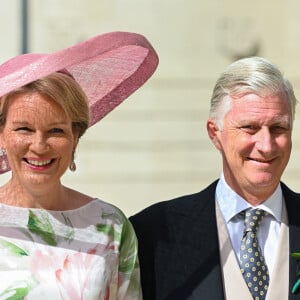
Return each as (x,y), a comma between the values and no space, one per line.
(252,262)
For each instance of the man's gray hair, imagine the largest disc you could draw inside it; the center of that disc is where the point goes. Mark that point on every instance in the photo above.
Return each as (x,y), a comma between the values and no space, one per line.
(255,75)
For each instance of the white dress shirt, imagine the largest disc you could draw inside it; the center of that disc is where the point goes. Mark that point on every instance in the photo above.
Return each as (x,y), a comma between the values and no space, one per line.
(231,204)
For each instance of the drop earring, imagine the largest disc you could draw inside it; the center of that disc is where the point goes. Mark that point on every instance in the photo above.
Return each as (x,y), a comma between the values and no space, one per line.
(72,165)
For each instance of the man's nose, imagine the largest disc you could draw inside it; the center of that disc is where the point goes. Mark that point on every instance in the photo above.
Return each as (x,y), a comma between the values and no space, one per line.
(264,140)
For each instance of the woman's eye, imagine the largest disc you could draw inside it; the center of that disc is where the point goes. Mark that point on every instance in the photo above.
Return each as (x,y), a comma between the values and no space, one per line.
(23,129)
(56,130)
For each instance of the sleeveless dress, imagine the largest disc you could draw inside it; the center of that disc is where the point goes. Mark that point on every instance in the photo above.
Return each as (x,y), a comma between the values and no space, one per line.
(87,253)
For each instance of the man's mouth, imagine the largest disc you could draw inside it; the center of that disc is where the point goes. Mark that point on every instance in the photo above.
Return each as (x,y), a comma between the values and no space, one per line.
(264,161)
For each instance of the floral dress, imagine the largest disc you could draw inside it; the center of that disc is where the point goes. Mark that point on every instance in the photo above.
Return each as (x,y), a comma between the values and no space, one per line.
(87,253)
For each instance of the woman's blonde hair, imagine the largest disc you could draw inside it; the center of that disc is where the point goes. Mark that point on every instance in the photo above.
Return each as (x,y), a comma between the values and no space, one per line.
(62,89)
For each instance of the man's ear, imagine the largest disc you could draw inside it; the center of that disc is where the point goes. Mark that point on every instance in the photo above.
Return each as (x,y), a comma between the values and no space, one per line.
(214,133)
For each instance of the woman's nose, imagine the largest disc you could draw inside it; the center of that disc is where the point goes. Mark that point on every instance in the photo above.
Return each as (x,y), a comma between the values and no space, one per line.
(39,142)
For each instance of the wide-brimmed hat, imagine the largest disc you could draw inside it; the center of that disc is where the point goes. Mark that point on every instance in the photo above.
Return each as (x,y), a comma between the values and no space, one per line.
(109,67)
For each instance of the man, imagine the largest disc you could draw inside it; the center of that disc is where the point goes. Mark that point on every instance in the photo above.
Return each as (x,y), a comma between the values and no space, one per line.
(200,246)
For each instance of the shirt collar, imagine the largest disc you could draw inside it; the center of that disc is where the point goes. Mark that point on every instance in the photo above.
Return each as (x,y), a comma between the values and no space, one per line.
(273,205)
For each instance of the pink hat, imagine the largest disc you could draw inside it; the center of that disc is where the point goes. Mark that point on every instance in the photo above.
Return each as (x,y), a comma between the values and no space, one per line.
(108,67)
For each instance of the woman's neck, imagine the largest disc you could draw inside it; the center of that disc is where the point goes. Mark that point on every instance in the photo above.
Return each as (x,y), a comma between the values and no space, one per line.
(50,197)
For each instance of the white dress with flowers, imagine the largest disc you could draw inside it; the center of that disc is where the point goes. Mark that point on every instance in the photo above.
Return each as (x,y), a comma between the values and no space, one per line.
(87,253)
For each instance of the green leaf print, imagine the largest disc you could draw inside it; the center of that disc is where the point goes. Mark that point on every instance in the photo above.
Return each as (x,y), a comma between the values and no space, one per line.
(14,294)
(109,230)
(128,249)
(42,227)
(19,290)
(69,236)
(14,249)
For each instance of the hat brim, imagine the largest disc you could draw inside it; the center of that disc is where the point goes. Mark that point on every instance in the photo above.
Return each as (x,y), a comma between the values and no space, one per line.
(109,67)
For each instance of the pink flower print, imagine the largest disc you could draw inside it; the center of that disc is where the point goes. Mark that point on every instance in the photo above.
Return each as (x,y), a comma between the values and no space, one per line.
(83,270)
(77,275)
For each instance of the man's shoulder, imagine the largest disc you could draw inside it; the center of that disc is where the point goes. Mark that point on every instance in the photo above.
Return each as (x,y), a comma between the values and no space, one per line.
(292,202)
(287,192)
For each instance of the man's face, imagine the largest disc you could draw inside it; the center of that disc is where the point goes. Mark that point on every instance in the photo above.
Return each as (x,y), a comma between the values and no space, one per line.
(255,144)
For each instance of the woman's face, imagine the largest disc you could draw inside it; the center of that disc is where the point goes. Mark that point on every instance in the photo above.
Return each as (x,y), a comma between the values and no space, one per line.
(38,140)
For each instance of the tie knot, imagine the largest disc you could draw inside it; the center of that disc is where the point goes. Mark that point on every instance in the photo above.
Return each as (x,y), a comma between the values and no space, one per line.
(253,219)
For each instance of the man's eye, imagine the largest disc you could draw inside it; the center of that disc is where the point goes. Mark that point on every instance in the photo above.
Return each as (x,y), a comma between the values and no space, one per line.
(249,127)
(278,129)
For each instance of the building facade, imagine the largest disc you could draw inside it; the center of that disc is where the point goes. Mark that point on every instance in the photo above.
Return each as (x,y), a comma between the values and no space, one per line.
(154,146)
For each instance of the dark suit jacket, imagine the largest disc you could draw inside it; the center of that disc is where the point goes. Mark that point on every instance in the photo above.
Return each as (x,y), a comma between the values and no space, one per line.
(179,249)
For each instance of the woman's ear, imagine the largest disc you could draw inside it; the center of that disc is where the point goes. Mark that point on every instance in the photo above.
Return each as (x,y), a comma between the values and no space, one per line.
(2,141)
(214,133)
(76,140)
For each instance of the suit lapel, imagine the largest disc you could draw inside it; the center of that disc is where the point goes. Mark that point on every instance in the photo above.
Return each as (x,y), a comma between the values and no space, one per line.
(195,252)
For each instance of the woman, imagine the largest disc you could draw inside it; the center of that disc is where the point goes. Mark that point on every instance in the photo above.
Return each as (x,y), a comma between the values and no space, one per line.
(55,242)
